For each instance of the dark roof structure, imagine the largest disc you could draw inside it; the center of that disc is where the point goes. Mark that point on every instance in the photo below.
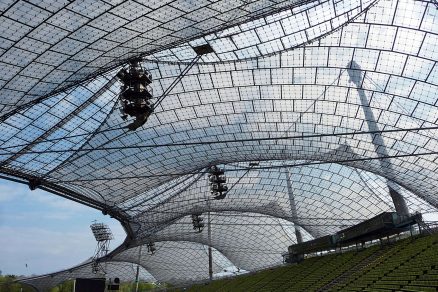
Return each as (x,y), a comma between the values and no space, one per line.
(340,98)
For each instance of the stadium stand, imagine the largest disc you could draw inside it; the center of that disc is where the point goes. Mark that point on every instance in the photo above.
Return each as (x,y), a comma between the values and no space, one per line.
(411,265)
(408,265)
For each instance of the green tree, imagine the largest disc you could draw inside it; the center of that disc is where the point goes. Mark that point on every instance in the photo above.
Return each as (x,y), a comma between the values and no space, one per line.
(8,284)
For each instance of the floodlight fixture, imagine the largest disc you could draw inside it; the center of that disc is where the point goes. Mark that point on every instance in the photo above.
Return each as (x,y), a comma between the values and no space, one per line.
(151,248)
(103,235)
(136,94)
(198,224)
(217,180)
(101,232)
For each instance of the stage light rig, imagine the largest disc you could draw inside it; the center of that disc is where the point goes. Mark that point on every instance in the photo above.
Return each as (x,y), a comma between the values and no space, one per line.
(198,223)
(217,179)
(103,235)
(136,94)
(151,248)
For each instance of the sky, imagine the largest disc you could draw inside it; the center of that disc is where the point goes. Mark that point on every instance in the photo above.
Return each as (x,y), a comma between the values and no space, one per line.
(45,231)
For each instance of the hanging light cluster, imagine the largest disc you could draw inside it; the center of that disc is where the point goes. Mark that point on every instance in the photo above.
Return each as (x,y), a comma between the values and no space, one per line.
(198,225)
(136,94)
(151,248)
(217,179)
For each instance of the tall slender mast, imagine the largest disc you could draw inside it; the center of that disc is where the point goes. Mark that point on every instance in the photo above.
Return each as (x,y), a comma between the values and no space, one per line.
(355,74)
(210,255)
(138,269)
(293,207)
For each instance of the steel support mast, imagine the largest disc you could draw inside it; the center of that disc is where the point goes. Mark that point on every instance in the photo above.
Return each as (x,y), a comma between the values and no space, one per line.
(293,207)
(355,74)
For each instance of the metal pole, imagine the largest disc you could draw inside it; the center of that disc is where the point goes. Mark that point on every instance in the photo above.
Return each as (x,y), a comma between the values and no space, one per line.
(355,74)
(138,269)
(210,255)
(293,207)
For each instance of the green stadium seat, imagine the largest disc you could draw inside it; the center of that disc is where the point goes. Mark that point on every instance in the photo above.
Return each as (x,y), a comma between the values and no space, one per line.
(409,265)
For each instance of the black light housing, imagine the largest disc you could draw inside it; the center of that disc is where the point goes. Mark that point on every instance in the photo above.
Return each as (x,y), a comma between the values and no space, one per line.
(151,248)
(136,94)
(198,225)
(217,179)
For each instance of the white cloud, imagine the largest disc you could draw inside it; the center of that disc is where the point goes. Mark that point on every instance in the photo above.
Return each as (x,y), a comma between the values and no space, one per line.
(54,201)
(10,193)
(432,216)
(46,251)
(42,250)
(14,191)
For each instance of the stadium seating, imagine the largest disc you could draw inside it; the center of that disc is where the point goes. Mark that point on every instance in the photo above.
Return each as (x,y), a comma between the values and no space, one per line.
(409,265)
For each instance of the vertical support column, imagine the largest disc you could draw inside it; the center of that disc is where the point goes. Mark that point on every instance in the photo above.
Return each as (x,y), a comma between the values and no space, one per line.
(355,74)
(138,269)
(293,207)
(210,255)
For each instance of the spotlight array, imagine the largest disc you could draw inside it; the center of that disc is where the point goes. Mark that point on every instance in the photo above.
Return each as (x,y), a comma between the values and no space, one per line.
(198,223)
(136,94)
(217,179)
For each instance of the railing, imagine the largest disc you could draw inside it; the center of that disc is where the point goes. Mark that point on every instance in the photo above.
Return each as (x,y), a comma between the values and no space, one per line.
(432,226)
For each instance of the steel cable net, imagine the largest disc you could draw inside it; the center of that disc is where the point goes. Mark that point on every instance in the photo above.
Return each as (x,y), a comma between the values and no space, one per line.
(250,241)
(286,86)
(50,45)
(328,198)
(176,262)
